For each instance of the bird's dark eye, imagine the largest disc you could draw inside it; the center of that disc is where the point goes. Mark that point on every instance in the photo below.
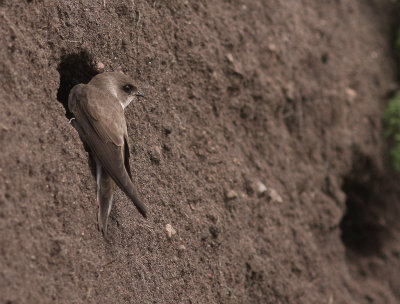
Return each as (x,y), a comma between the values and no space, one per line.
(128,88)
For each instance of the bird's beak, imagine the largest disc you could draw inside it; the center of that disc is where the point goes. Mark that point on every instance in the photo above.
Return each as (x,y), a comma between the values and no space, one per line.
(138,94)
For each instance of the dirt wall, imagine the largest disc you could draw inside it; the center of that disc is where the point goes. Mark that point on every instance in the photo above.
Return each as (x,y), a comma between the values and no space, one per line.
(239,94)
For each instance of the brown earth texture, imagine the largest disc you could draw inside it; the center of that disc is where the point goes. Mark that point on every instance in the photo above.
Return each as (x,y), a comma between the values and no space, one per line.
(259,141)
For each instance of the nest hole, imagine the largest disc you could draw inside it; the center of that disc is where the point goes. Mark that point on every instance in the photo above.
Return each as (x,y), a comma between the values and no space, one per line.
(363,228)
(74,68)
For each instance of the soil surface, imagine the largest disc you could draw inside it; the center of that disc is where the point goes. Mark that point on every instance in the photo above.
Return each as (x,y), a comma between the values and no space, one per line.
(259,141)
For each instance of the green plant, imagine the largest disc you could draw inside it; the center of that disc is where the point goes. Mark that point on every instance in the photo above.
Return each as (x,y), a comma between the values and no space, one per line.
(391,119)
(391,116)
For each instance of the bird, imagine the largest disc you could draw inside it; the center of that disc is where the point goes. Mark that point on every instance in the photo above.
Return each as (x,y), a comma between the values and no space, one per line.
(98,116)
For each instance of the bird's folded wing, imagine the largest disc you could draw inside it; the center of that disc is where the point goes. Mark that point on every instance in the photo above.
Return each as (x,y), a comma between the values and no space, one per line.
(111,155)
(102,110)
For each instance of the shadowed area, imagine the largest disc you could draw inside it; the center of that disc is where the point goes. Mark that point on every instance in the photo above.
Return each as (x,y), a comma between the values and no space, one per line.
(73,69)
(362,230)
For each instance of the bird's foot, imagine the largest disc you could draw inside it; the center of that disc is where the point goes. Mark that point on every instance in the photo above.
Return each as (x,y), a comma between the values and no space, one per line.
(102,227)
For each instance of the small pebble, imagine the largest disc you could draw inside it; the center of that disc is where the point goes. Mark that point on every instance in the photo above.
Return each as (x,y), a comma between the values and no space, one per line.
(229,57)
(155,155)
(272,48)
(181,248)
(231,194)
(170,231)
(350,95)
(289,91)
(274,196)
(260,188)
(100,67)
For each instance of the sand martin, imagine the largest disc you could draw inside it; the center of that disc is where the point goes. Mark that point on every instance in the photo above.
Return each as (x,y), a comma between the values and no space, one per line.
(98,109)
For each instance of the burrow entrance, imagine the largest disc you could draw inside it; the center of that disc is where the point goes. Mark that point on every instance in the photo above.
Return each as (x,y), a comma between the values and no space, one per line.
(74,68)
(364,226)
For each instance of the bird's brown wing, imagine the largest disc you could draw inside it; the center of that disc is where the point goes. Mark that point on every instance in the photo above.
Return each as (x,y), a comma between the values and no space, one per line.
(103,128)
(103,111)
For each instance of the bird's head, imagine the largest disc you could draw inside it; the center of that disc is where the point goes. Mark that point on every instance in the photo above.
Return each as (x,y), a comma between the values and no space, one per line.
(119,85)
